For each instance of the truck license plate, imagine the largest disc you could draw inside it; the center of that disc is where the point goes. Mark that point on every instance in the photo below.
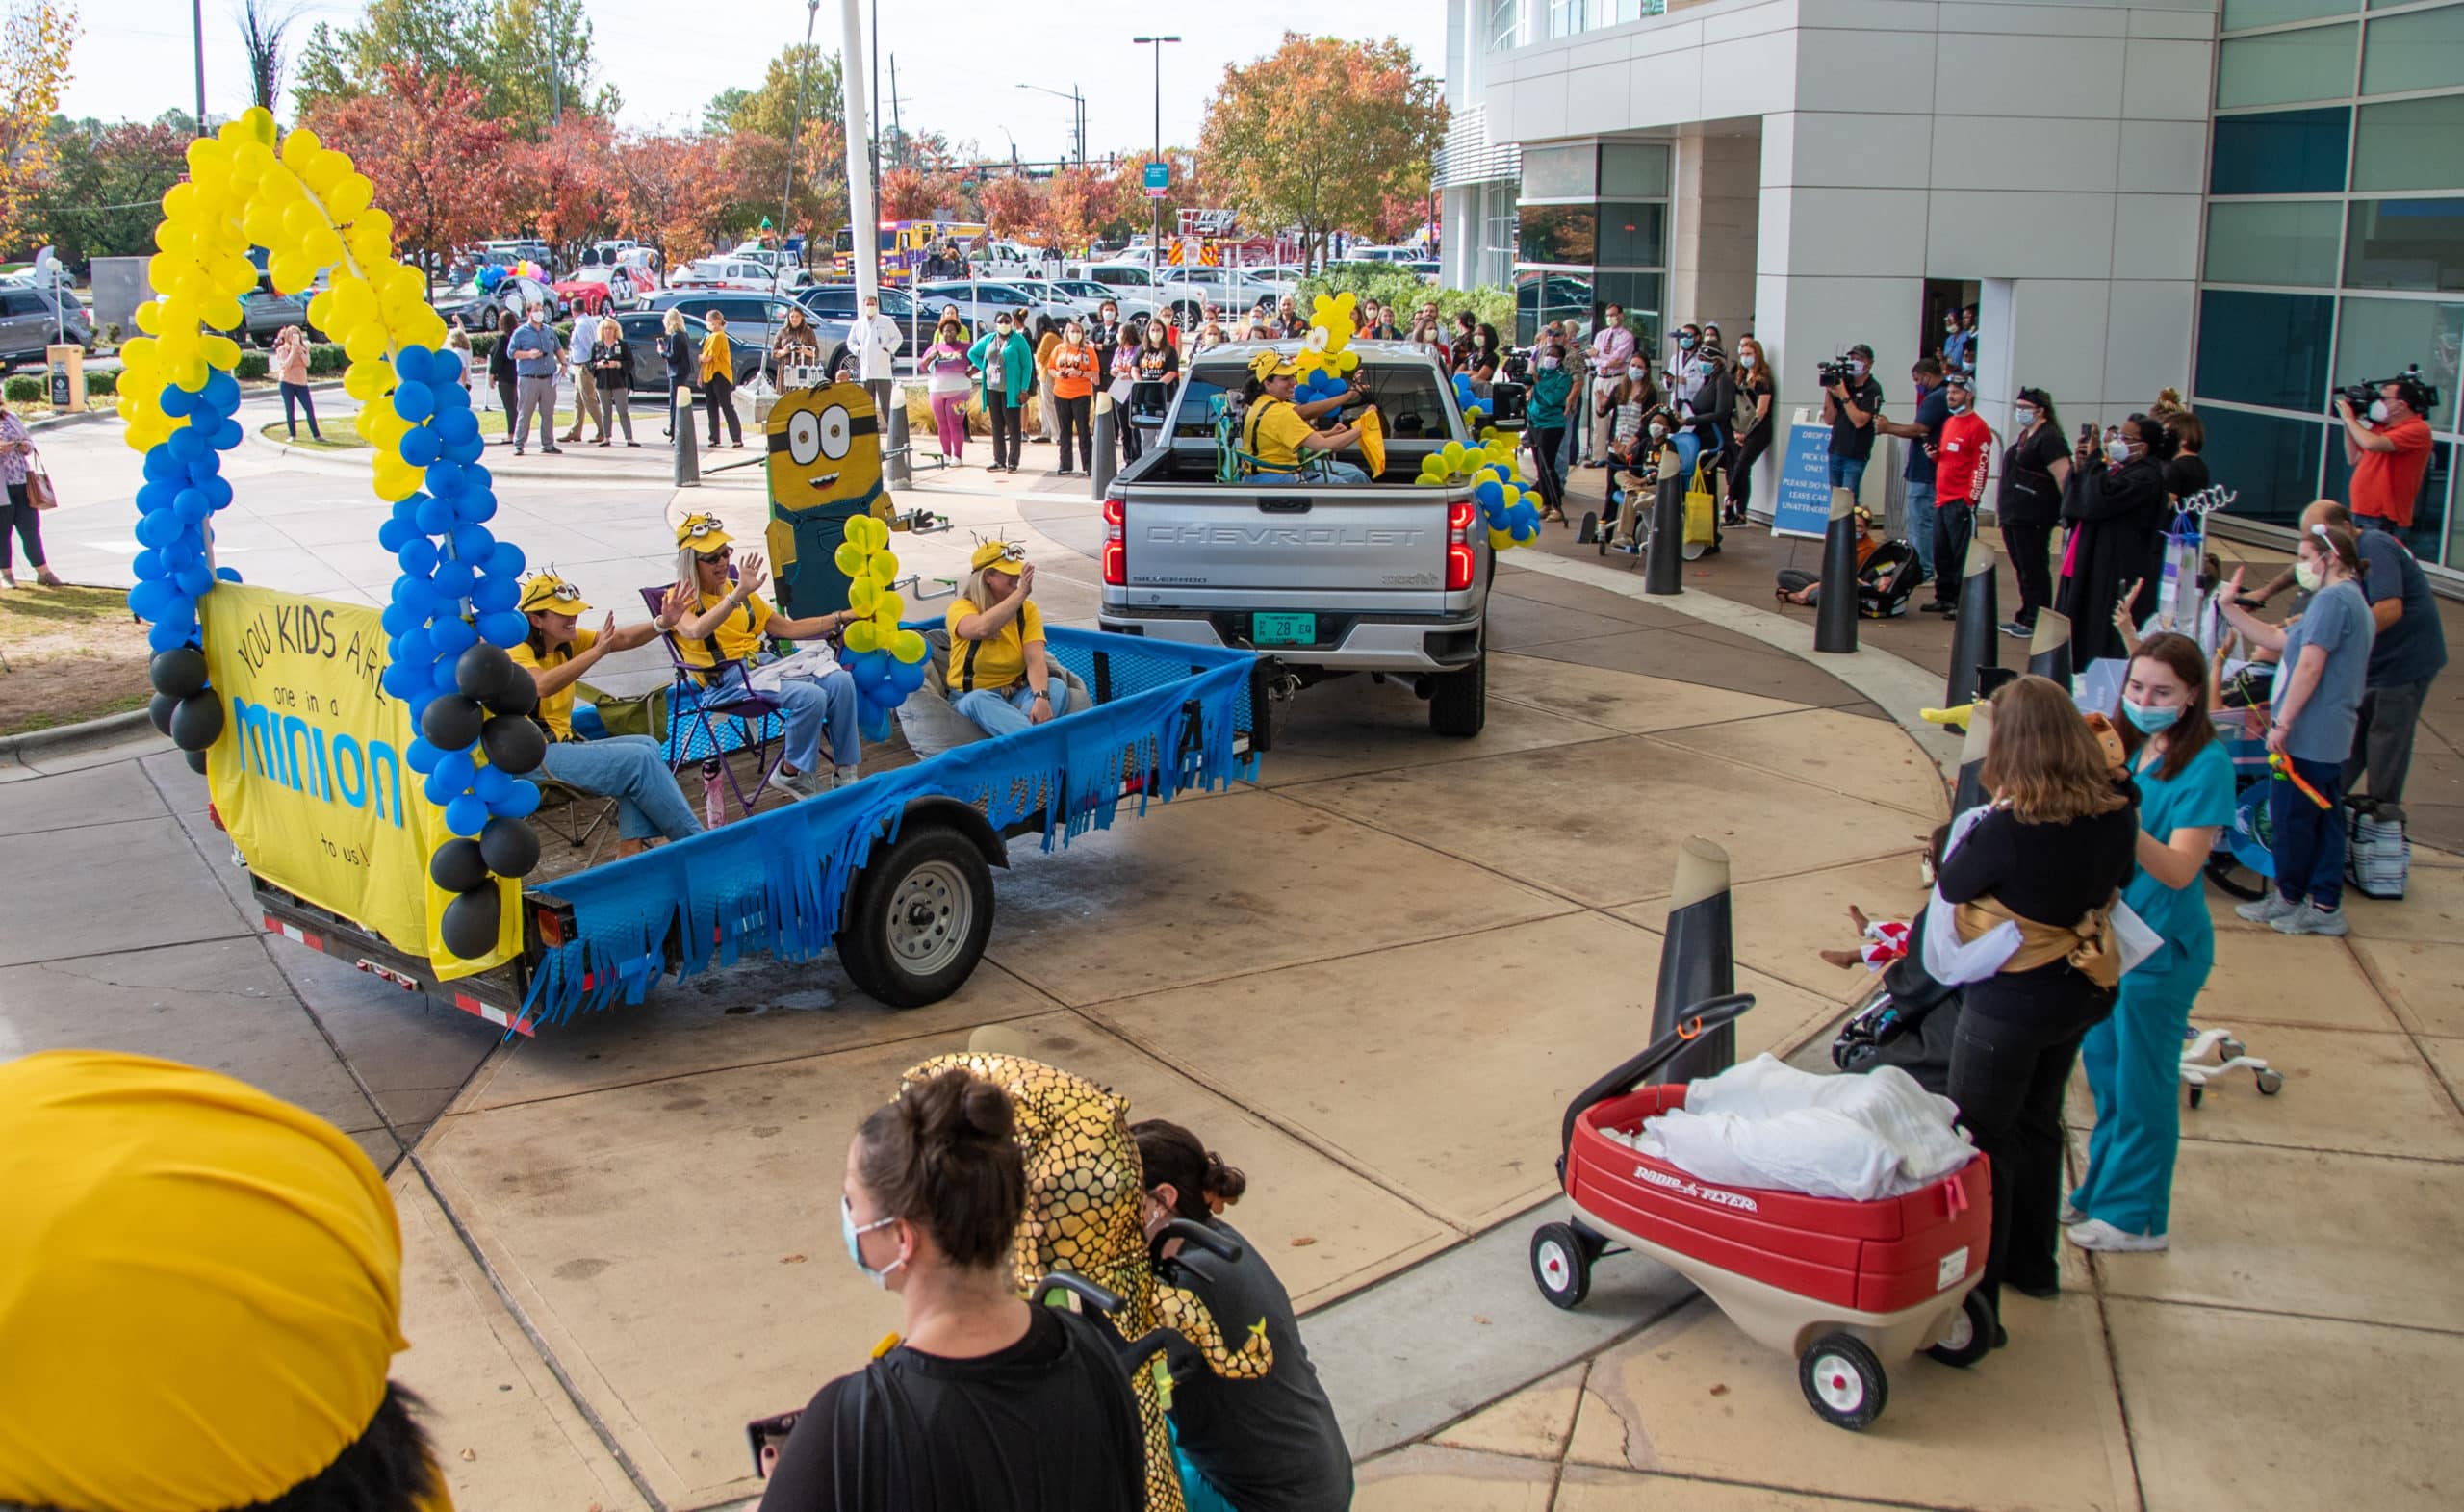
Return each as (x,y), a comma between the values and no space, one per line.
(1283,630)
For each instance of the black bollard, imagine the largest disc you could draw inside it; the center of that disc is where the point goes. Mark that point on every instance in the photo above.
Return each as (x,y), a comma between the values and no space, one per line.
(897,472)
(2049,650)
(1697,959)
(688,452)
(1664,569)
(1834,612)
(1100,457)
(1974,639)
(1969,790)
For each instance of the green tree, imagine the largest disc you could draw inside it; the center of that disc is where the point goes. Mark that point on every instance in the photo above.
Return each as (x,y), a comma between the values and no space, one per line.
(433,37)
(524,68)
(537,61)
(106,188)
(800,80)
(719,115)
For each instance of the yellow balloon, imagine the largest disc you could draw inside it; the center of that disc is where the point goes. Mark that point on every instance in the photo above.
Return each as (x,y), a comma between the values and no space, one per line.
(889,606)
(1500,540)
(863,595)
(849,558)
(863,637)
(908,646)
(884,567)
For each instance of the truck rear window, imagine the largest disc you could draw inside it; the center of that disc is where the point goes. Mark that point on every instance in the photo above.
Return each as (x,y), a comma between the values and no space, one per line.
(1406,394)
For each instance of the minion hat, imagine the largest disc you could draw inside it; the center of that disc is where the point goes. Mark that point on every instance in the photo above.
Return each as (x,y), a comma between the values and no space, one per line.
(190,1260)
(545,590)
(1273,364)
(702,533)
(1004,555)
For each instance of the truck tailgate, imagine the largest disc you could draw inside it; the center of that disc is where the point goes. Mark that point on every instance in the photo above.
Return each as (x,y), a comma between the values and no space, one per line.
(1338,546)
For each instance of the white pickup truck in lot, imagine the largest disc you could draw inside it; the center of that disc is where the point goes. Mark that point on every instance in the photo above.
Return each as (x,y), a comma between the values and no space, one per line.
(1388,576)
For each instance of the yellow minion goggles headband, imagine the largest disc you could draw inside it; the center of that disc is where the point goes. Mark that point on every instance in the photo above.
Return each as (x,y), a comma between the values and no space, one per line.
(546,591)
(998,554)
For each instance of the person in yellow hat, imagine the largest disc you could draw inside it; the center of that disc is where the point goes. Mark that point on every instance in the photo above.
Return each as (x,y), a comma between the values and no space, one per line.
(200,1299)
(718,615)
(999,675)
(631,769)
(1281,434)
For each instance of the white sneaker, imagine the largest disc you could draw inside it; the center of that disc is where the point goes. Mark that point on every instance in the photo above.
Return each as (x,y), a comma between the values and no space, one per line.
(796,784)
(2098,1235)
(2267,909)
(844,775)
(2069,1217)
(2309,918)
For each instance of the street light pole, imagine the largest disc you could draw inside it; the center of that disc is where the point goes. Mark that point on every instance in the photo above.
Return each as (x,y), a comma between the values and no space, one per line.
(1077,114)
(804,84)
(1155,237)
(198,10)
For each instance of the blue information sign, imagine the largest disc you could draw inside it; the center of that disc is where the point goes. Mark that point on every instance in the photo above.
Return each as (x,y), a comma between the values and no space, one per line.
(1802,505)
(1158,175)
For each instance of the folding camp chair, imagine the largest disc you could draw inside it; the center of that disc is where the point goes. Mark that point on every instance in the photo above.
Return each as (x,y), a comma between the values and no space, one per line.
(1232,463)
(570,815)
(708,723)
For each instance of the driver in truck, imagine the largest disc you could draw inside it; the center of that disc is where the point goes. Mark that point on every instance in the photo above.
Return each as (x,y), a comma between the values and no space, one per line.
(1278,432)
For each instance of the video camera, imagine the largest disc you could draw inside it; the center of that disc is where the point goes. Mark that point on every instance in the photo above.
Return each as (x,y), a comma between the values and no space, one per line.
(1838,372)
(2421,395)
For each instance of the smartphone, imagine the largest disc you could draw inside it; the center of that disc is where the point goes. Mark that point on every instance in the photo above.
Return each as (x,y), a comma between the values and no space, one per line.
(2088,434)
(768,1437)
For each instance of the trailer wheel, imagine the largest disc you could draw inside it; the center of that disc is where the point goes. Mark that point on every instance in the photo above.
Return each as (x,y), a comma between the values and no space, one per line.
(917,917)
(1970,1336)
(1561,1264)
(1458,703)
(1843,1382)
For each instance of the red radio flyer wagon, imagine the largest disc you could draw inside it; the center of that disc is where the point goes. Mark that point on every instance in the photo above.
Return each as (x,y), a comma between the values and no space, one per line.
(1841,1285)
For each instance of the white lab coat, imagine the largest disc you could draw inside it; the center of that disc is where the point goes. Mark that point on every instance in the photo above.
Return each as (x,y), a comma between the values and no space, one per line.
(874,344)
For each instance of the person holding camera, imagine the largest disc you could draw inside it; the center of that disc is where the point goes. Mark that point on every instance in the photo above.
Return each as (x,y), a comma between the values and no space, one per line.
(1851,398)
(1925,436)
(2388,452)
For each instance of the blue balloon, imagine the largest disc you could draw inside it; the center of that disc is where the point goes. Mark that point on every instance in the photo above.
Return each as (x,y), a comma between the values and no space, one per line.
(444,479)
(149,600)
(205,467)
(222,390)
(521,802)
(195,579)
(506,560)
(463,451)
(161,467)
(418,554)
(396,680)
(454,769)
(418,754)
(494,594)
(158,528)
(489,277)
(406,508)
(476,475)
(1489,492)
(443,678)
(147,563)
(453,579)
(451,637)
(435,515)
(492,784)
(188,445)
(396,534)
(456,426)
(217,490)
(465,815)
(415,595)
(227,435)
(191,507)
(413,401)
(504,629)
(474,506)
(873,720)
(444,367)
(471,544)
(419,446)
(411,364)
(151,496)
(413,648)
(439,789)
(177,400)
(909,676)
(167,637)
(178,552)
(395,618)
(451,395)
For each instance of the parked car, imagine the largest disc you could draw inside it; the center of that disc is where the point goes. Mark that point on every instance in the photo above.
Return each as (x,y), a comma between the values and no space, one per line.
(752,319)
(645,331)
(1187,291)
(748,274)
(29,322)
(832,308)
(1090,295)
(480,308)
(980,299)
(594,290)
(263,315)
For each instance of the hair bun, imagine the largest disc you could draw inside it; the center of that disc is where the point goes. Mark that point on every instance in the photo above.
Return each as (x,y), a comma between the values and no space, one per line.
(985,1109)
(1225,1181)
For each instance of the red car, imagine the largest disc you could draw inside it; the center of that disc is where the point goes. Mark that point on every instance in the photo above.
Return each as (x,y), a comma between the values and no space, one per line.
(601,291)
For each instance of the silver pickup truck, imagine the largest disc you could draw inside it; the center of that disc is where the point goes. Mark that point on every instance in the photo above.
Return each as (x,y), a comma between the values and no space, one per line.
(1388,576)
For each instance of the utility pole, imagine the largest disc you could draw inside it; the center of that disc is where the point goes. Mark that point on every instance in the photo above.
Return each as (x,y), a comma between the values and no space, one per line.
(873,143)
(803,87)
(863,231)
(199,10)
(556,73)
(1155,237)
(897,135)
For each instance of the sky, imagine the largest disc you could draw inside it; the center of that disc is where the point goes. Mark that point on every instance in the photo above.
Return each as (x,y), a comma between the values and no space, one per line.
(959,61)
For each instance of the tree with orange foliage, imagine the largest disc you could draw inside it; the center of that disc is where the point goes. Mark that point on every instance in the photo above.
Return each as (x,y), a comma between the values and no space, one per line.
(1077,204)
(1322,134)
(565,186)
(677,192)
(35,39)
(1013,203)
(438,162)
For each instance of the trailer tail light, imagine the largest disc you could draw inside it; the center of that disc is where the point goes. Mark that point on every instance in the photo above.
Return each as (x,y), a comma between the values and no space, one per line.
(1115,543)
(1459,546)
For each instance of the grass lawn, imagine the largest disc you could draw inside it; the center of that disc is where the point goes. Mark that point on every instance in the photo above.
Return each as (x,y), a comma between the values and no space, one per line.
(338,437)
(66,654)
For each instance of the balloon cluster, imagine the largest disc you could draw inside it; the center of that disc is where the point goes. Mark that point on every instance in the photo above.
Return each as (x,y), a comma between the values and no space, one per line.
(184,487)
(1475,412)
(184,707)
(1511,509)
(489,277)
(1327,347)
(886,661)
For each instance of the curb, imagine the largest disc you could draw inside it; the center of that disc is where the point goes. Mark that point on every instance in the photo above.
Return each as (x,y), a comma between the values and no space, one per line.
(83,733)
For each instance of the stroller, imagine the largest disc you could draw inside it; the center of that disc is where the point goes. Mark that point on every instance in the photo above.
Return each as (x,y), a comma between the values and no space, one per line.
(1885,585)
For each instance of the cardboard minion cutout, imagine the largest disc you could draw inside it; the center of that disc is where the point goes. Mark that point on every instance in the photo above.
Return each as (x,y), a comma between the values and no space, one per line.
(825,470)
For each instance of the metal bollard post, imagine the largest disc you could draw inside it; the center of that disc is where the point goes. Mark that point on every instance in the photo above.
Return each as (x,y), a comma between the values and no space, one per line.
(1664,569)
(688,451)
(1099,461)
(1969,790)
(896,469)
(1835,613)
(1697,959)
(2049,650)
(1973,636)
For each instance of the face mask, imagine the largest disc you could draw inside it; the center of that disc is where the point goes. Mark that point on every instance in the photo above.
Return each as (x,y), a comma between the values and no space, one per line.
(1658,430)
(2308,577)
(1685,343)
(2378,412)
(2149,718)
(1957,406)
(2023,418)
(1746,361)
(1858,367)
(1549,361)
(855,1251)
(2118,450)
(1638,374)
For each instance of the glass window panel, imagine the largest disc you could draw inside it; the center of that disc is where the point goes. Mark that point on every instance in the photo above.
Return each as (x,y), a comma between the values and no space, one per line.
(1505,24)
(1633,236)
(2265,349)
(2314,64)
(2282,152)
(2411,144)
(2272,241)
(1559,172)
(2405,243)
(1561,234)
(1633,170)
(2381,338)
(2429,506)
(1638,294)
(1549,296)
(2271,461)
(2420,51)
(2242,14)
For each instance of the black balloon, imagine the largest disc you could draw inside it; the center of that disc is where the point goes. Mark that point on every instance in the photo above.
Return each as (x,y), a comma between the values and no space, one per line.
(470,922)
(520,695)
(195,760)
(509,846)
(179,672)
(158,708)
(514,742)
(451,722)
(484,672)
(457,866)
(197,722)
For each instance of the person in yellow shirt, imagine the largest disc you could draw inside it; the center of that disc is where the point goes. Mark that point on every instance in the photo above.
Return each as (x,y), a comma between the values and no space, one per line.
(631,769)
(999,677)
(721,617)
(1280,433)
(718,380)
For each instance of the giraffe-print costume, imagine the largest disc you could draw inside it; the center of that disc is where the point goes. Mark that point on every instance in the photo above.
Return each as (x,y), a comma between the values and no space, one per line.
(1084,1186)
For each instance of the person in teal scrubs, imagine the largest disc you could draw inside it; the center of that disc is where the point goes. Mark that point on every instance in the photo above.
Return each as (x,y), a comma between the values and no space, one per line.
(2133,1059)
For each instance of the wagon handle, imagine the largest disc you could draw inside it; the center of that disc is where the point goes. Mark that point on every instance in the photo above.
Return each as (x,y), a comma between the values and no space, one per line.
(1710,1014)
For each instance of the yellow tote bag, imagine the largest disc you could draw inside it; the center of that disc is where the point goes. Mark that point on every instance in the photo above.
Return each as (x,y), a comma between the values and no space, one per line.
(1701,519)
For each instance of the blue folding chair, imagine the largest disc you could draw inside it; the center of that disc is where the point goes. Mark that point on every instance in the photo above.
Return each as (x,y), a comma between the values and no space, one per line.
(707,720)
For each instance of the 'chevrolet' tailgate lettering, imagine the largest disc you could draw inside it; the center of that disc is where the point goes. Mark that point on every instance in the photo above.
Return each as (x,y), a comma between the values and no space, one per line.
(1206,534)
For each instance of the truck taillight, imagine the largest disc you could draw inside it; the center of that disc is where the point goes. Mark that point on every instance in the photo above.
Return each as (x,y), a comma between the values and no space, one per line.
(1115,543)
(1459,546)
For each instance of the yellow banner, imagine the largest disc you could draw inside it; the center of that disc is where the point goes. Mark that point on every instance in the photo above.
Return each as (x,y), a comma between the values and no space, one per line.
(311,776)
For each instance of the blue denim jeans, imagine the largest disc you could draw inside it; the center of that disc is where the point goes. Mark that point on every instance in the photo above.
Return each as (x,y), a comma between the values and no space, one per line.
(2381,523)
(1005,711)
(812,707)
(1848,472)
(632,770)
(2310,841)
(1920,523)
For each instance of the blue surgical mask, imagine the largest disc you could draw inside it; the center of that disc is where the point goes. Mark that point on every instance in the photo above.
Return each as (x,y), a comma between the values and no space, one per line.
(1745,360)
(2150,718)
(852,1232)
(2023,418)
(1685,343)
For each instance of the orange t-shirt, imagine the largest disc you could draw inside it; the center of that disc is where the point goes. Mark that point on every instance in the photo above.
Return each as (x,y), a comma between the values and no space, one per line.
(2385,483)
(1074,370)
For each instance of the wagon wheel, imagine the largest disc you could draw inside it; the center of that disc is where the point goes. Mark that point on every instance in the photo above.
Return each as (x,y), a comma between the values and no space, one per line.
(1842,1380)
(1970,1336)
(1561,1265)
